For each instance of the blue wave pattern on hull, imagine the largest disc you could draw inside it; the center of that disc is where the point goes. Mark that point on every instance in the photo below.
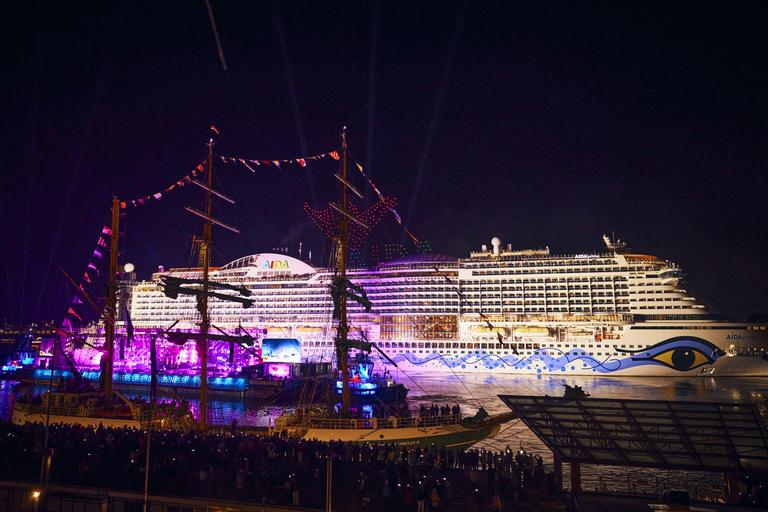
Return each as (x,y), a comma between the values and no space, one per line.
(682,353)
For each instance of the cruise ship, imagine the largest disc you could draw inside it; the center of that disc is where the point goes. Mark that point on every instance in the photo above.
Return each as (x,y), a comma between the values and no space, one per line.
(499,311)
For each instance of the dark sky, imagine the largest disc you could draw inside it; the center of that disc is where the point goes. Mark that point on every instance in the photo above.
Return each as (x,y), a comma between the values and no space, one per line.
(545,124)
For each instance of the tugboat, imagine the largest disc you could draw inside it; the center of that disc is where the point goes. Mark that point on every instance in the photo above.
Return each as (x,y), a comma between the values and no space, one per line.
(367,387)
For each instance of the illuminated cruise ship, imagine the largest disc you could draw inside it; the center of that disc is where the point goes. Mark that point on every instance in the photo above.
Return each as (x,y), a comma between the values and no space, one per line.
(498,311)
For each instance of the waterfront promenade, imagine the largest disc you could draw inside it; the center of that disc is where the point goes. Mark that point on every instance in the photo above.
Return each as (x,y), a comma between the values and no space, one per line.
(255,468)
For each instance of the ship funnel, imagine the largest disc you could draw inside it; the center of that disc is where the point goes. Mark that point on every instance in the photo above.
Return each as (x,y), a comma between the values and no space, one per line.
(496,246)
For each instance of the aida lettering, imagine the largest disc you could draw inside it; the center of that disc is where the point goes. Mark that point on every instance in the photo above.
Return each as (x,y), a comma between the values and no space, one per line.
(275,264)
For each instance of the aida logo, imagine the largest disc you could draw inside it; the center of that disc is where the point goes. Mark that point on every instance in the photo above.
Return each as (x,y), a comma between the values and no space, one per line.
(741,337)
(275,264)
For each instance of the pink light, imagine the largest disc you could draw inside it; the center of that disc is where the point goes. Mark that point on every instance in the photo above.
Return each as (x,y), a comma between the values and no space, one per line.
(279,370)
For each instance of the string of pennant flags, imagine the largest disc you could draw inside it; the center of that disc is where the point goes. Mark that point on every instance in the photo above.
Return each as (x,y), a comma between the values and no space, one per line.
(381,197)
(199,170)
(276,163)
(303,163)
(226,159)
(101,243)
(159,195)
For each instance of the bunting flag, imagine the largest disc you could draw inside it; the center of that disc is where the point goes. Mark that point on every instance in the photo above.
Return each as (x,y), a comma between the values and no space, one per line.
(77,300)
(102,242)
(66,324)
(129,327)
(91,265)
(97,253)
(72,312)
(276,163)
(246,164)
(86,277)
(159,195)
(106,231)
(201,169)
(381,196)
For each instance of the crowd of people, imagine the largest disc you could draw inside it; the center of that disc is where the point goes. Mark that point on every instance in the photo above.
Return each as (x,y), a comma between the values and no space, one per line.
(439,411)
(267,469)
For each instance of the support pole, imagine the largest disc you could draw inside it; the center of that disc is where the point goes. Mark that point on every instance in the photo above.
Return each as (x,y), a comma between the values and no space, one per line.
(328,482)
(575,477)
(45,470)
(558,467)
(731,488)
(110,315)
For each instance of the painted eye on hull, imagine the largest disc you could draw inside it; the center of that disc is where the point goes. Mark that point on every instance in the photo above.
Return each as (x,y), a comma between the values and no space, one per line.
(682,358)
(681,353)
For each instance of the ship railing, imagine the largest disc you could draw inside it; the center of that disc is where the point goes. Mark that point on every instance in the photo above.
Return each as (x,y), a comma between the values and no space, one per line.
(162,419)
(55,410)
(382,423)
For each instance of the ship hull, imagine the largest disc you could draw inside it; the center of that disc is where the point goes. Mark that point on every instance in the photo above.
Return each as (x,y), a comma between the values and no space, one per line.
(411,432)
(501,312)
(440,437)
(25,413)
(382,395)
(658,350)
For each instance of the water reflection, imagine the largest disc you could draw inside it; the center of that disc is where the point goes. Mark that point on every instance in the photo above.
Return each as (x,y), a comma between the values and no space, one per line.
(472,391)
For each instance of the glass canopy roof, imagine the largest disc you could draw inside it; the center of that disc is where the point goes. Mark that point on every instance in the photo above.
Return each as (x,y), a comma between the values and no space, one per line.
(700,436)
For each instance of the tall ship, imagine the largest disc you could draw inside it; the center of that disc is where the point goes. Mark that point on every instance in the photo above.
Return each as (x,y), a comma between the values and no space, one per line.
(499,311)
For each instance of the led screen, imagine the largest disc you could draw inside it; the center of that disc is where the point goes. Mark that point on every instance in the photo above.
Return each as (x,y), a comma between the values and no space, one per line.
(280,350)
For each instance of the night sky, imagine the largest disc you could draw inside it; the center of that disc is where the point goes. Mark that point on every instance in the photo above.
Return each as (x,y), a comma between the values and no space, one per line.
(545,124)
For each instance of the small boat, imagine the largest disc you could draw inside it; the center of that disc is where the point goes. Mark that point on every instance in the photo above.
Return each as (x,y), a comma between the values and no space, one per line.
(484,329)
(532,331)
(307,329)
(367,387)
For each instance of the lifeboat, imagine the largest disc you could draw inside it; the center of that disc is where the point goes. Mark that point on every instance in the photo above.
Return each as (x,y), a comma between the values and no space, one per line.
(484,329)
(308,329)
(533,331)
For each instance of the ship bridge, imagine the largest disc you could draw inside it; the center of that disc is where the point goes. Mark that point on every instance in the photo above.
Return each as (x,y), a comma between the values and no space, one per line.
(268,264)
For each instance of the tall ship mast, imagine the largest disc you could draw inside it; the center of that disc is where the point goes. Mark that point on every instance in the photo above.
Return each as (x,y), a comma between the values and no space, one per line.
(453,430)
(110,314)
(172,287)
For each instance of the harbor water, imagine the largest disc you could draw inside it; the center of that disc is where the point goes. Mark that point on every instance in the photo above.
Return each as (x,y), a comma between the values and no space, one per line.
(471,391)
